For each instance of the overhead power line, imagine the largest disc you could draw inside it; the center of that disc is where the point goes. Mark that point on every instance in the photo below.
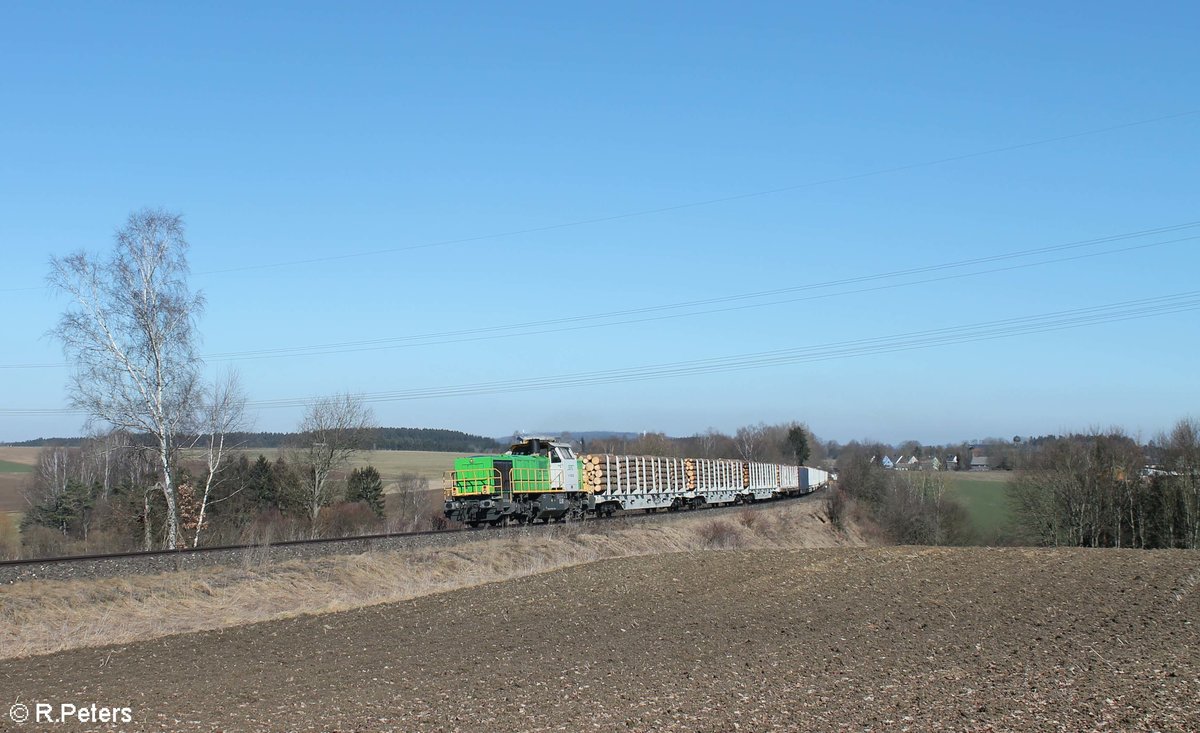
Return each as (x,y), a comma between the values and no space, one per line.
(576,323)
(950,335)
(664,312)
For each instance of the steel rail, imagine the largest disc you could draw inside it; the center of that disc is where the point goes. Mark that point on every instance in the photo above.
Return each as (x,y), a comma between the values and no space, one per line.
(481,532)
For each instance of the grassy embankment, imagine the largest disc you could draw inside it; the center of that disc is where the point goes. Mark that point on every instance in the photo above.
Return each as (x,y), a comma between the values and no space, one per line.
(103,611)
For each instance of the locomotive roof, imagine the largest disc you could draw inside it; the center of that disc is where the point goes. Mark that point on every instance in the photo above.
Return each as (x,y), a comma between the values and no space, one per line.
(546,439)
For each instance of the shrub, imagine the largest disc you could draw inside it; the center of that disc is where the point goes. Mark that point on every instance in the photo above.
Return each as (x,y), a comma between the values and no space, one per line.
(719,534)
(39,541)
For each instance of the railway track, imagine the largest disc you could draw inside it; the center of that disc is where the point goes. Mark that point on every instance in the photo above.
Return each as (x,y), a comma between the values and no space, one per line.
(143,562)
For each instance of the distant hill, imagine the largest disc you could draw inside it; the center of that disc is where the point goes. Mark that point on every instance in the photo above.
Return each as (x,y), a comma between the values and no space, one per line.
(43,442)
(427,439)
(574,436)
(430,439)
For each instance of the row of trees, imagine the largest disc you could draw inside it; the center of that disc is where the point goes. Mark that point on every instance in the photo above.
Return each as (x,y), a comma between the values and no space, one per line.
(91,498)
(425,439)
(120,476)
(790,442)
(1104,489)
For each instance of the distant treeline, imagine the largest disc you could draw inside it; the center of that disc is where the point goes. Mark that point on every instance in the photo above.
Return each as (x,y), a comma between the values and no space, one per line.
(430,439)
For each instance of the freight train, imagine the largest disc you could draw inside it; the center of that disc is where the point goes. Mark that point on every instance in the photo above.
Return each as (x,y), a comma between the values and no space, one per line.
(540,479)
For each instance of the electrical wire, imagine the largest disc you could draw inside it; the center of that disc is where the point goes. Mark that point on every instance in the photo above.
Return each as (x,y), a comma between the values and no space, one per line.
(523,329)
(1187,301)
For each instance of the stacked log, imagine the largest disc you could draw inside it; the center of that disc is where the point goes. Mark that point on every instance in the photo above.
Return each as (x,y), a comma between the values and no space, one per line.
(623,474)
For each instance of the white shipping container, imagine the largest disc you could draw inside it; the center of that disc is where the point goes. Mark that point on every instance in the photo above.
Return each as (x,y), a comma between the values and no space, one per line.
(815,478)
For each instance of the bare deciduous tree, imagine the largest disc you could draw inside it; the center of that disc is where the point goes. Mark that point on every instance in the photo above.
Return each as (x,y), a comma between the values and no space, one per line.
(130,333)
(410,501)
(751,441)
(56,466)
(654,444)
(333,429)
(223,412)
(1083,491)
(706,443)
(1183,462)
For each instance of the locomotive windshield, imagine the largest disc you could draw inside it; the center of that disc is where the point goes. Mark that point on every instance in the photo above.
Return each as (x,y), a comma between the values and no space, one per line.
(542,447)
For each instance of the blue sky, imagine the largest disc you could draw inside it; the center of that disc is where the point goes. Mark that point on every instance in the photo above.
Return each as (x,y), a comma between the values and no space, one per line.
(891,137)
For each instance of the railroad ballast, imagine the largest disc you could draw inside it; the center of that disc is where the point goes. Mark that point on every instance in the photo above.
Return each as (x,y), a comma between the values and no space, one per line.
(541,479)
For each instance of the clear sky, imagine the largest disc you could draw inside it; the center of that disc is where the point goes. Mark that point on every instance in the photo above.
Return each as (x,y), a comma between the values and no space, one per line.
(361,174)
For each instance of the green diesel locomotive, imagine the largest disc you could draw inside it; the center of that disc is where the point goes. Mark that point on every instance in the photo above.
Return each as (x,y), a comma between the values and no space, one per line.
(537,480)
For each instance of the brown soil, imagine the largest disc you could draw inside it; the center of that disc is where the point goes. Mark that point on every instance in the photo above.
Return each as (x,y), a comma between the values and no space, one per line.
(814,640)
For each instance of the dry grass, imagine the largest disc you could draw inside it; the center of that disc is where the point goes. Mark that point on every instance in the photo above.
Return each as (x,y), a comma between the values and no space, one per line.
(10,535)
(39,617)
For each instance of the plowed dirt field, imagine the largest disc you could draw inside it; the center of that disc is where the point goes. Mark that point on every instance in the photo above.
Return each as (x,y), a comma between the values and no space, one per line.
(814,640)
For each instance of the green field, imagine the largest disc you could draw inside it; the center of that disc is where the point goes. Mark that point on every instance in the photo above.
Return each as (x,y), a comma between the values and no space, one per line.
(10,467)
(985,496)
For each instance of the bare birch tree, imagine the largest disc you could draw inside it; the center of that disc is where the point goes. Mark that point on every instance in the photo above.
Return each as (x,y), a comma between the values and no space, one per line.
(130,334)
(333,429)
(223,411)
